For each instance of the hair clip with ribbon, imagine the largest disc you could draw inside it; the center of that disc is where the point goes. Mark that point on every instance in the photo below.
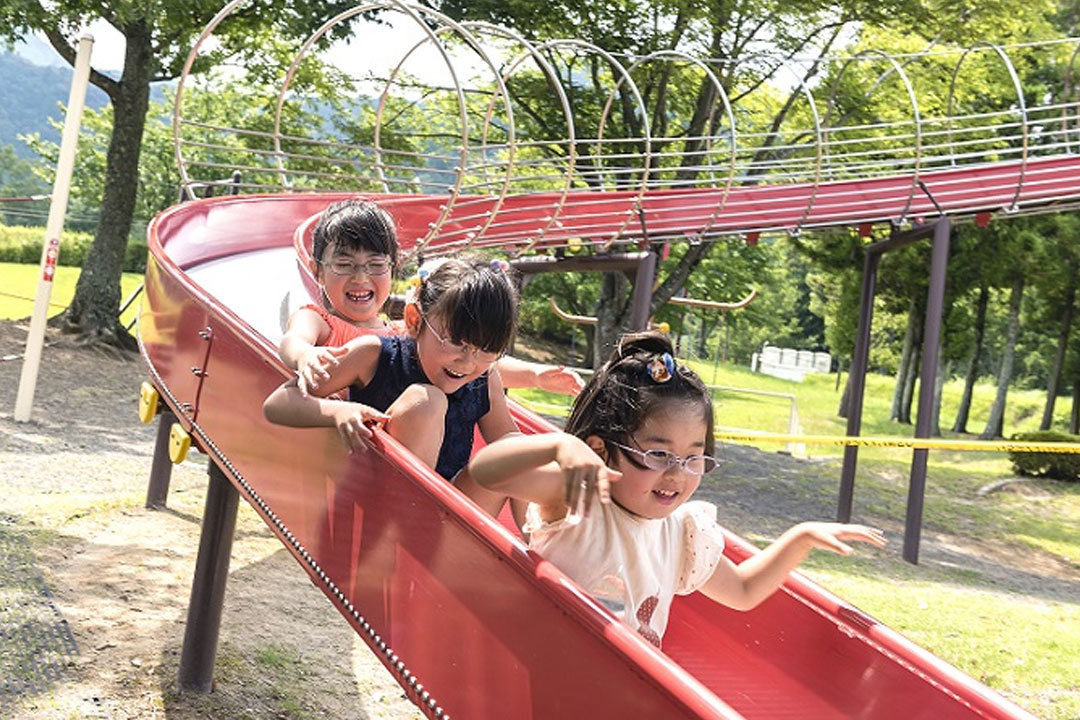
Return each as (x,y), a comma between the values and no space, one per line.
(661,368)
(499,265)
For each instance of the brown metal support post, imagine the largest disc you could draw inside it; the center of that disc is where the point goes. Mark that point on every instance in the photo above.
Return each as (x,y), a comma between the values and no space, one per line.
(857,378)
(935,298)
(643,286)
(157,491)
(208,587)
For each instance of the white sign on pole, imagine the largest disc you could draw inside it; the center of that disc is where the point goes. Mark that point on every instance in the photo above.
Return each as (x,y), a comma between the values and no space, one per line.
(50,251)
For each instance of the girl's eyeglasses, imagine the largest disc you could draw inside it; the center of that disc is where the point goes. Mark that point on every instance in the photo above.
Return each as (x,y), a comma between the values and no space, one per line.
(348,268)
(463,349)
(663,460)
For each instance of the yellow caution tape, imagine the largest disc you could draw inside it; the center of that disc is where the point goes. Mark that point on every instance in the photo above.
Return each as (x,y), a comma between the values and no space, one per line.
(913,443)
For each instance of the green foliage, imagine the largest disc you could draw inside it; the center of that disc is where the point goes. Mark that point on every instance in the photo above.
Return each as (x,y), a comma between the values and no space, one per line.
(575,293)
(23,245)
(17,179)
(1059,466)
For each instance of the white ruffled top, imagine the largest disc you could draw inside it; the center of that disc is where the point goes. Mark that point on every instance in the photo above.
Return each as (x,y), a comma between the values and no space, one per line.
(634,566)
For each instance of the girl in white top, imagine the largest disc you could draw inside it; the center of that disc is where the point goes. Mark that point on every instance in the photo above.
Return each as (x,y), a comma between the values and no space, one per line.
(636,445)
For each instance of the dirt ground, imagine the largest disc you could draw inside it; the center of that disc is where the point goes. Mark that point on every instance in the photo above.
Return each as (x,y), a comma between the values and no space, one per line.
(81,559)
(72,490)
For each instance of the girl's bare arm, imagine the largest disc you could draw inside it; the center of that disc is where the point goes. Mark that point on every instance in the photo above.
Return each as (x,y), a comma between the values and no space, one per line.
(517,373)
(288,405)
(550,469)
(305,330)
(302,349)
(744,586)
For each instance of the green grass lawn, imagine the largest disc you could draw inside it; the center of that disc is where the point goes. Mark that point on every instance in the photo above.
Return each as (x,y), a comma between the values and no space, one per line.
(19,283)
(1023,644)
(1026,647)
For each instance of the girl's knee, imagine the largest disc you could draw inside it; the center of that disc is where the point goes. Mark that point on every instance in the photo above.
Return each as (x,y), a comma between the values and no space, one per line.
(420,398)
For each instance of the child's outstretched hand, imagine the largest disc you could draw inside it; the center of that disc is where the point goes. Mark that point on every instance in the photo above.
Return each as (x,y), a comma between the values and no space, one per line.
(313,367)
(832,536)
(352,419)
(585,472)
(558,379)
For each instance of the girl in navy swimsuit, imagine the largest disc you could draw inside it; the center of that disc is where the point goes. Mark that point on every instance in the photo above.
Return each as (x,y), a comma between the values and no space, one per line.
(431,387)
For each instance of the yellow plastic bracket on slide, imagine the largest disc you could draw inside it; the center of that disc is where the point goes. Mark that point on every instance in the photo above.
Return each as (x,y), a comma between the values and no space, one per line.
(148,400)
(179,443)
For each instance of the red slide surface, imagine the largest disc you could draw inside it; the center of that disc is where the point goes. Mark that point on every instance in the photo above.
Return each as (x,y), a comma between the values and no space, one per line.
(468,620)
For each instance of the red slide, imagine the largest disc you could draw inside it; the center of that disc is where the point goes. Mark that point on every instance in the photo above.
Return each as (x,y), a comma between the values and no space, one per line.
(468,620)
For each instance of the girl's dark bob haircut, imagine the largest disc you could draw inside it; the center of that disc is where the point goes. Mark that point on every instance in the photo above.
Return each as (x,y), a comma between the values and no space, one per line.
(622,393)
(475,299)
(355,225)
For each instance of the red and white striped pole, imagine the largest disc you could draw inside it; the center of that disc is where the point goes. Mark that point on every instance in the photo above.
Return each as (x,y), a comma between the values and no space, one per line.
(50,251)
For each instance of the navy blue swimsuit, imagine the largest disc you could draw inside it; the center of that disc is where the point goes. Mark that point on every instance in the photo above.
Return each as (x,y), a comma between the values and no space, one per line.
(399,367)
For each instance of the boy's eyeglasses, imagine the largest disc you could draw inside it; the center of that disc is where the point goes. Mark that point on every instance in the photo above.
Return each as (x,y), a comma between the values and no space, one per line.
(348,268)
(663,460)
(463,349)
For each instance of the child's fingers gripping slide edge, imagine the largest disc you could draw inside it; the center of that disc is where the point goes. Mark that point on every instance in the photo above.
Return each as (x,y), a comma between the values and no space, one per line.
(355,428)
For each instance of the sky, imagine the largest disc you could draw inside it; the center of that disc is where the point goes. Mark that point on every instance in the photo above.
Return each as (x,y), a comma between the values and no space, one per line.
(379,41)
(108,52)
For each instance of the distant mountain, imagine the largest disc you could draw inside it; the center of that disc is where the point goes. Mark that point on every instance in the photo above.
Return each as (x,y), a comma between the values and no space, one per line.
(29,96)
(39,52)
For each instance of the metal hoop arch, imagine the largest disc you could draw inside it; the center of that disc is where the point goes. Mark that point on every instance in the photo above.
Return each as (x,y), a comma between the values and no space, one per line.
(1012,207)
(511,144)
(411,12)
(568,114)
(722,94)
(818,133)
(916,117)
(185,180)
(621,69)
(434,227)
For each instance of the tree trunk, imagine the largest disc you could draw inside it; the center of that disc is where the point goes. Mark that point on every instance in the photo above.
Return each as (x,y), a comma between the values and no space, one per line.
(703,338)
(679,334)
(612,316)
(1053,383)
(93,310)
(845,399)
(590,343)
(996,423)
(909,381)
(1074,416)
(905,360)
(960,426)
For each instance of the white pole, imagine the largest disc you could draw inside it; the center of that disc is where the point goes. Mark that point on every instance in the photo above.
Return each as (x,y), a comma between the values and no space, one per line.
(50,251)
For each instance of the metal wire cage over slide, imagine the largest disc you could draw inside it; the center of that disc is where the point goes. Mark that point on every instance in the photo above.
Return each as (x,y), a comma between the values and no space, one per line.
(433,116)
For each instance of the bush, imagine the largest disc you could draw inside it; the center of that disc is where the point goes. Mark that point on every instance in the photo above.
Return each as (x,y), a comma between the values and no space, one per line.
(1059,466)
(23,245)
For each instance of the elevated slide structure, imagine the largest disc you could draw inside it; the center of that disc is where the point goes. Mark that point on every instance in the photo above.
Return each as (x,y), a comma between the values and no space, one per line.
(470,622)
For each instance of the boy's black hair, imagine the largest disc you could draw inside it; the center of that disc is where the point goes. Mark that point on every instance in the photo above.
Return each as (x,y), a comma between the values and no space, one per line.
(355,225)
(476,301)
(622,393)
